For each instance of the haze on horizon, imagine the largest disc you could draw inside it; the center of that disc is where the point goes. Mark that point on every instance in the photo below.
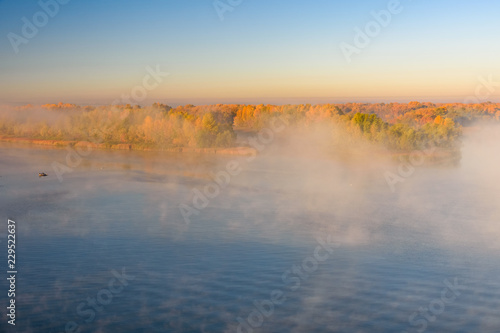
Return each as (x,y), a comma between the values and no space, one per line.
(95,52)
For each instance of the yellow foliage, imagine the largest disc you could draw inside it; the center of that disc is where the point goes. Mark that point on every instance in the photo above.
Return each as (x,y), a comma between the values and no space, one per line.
(438,120)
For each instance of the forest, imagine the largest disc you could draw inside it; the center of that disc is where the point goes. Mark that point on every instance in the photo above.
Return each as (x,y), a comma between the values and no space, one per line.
(394,126)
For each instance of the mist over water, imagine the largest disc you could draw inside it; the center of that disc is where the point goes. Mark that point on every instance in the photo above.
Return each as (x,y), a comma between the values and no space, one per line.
(120,210)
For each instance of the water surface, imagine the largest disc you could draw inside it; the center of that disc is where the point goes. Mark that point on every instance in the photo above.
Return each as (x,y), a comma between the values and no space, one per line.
(119,211)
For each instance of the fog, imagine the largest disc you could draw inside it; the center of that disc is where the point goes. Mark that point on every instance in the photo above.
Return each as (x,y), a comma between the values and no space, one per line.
(123,208)
(33,114)
(297,184)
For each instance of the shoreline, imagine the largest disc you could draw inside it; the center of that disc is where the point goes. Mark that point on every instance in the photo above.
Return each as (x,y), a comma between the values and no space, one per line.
(436,156)
(241,151)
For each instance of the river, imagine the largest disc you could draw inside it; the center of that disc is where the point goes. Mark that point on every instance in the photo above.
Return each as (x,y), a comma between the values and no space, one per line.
(126,241)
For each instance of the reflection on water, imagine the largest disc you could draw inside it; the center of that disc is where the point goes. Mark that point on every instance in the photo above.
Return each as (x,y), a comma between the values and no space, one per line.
(120,211)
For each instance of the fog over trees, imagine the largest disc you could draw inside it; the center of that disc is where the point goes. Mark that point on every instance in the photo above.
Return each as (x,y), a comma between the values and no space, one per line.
(394,126)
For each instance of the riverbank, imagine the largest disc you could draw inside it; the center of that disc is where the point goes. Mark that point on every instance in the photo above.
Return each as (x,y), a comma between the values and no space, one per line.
(241,151)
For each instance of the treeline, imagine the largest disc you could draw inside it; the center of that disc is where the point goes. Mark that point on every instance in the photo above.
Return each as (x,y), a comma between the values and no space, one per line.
(154,126)
(396,126)
(397,130)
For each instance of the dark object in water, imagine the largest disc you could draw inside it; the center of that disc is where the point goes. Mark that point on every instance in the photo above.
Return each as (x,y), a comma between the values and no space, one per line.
(42,174)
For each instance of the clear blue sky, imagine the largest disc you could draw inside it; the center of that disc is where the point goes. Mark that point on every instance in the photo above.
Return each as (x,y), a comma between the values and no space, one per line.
(263,51)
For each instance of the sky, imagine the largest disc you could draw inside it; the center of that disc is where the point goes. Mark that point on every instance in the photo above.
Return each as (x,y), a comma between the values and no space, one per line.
(241,51)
